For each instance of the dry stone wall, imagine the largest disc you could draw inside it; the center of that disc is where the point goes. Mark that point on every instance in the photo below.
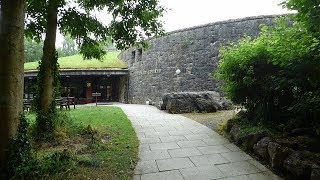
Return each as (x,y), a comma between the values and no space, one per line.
(193,51)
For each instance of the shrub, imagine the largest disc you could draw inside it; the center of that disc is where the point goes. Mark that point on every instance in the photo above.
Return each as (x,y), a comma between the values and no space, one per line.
(57,162)
(276,76)
(20,152)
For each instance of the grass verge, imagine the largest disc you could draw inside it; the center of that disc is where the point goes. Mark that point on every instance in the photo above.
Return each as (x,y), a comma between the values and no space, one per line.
(104,147)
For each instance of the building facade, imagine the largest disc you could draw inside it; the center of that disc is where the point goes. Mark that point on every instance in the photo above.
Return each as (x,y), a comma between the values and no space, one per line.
(82,83)
(180,61)
(184,60)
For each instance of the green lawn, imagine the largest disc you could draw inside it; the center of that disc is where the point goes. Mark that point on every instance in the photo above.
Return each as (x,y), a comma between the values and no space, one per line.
(114,158)
(77,62)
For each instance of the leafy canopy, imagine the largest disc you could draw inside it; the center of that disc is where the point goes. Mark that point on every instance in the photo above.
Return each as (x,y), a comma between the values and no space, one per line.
(308,12)
(68,47)
(32,50)
(132,21)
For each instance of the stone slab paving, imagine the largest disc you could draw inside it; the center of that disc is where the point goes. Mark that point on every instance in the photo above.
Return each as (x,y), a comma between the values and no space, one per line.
(175,147)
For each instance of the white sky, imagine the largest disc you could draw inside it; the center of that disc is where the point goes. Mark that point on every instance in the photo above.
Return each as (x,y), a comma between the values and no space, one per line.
(187,13)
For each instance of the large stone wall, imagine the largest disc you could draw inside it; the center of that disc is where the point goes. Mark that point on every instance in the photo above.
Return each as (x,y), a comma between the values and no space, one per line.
(194,51)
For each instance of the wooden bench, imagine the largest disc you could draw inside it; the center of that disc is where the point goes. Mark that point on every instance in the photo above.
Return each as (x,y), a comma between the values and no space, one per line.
(66,102)
(27,104)
(62,102)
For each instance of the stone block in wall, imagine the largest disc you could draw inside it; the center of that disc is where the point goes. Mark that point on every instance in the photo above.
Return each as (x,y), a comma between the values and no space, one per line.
(185,102)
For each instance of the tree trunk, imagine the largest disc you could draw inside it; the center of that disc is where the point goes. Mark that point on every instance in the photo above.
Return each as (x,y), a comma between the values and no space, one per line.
(48,58)
(11,70)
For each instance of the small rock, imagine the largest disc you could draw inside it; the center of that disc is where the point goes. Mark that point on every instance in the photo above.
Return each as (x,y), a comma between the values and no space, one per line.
(229,126)
(315,172)
(261,148)
(277,154)
(249,140)
(161,106)
(235,133)
(301,164)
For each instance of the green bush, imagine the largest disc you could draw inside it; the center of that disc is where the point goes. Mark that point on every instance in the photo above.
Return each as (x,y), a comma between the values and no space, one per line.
(57,162)
(20,152)
(276,76)
(59,126)
(23,162)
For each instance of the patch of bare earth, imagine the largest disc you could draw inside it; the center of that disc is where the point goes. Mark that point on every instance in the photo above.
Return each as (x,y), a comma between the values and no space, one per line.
(77,144)
(211,120)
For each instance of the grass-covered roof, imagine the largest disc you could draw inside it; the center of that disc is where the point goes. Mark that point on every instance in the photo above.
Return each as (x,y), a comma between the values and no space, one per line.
(110,60)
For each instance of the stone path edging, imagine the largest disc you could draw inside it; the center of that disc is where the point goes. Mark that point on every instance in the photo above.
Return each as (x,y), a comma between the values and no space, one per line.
(175,147)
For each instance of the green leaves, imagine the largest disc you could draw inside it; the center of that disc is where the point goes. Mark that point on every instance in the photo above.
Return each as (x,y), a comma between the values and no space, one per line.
(32,50)
(308,13)
(92,49)
(80,25)
(133,21)
(270,74)
(87,30)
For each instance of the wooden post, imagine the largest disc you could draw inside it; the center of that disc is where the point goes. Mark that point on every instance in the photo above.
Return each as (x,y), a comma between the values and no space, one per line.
(96,100)
(96,94)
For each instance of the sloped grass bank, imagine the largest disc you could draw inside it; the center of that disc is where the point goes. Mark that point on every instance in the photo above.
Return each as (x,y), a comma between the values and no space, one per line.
(110,60)
(103,146)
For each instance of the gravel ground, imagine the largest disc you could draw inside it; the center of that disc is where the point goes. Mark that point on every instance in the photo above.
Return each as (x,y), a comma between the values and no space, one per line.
(211,120)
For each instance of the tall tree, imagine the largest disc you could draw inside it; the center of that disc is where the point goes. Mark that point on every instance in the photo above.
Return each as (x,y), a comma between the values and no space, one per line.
(132,21)
(68,47)
(11,70)
(32,50)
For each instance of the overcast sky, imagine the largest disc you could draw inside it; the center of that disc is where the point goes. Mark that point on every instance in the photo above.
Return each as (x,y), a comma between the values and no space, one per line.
(187,13)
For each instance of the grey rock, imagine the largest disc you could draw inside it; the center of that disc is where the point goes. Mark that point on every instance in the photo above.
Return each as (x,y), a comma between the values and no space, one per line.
(261,148)
(185,102)
(277,154)
(249,140)
(229,126)
(301,143)
(301,164)
(235,133)
(315,172)
(205,105)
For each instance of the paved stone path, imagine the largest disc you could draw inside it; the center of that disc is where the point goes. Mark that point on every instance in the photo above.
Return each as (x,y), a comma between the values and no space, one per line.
(175,147)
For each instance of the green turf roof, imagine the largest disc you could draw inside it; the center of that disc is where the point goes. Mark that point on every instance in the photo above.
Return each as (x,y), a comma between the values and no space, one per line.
(77,62)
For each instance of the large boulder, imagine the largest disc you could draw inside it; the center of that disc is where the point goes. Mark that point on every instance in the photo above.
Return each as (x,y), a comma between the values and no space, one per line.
(185,102)
(178,106)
